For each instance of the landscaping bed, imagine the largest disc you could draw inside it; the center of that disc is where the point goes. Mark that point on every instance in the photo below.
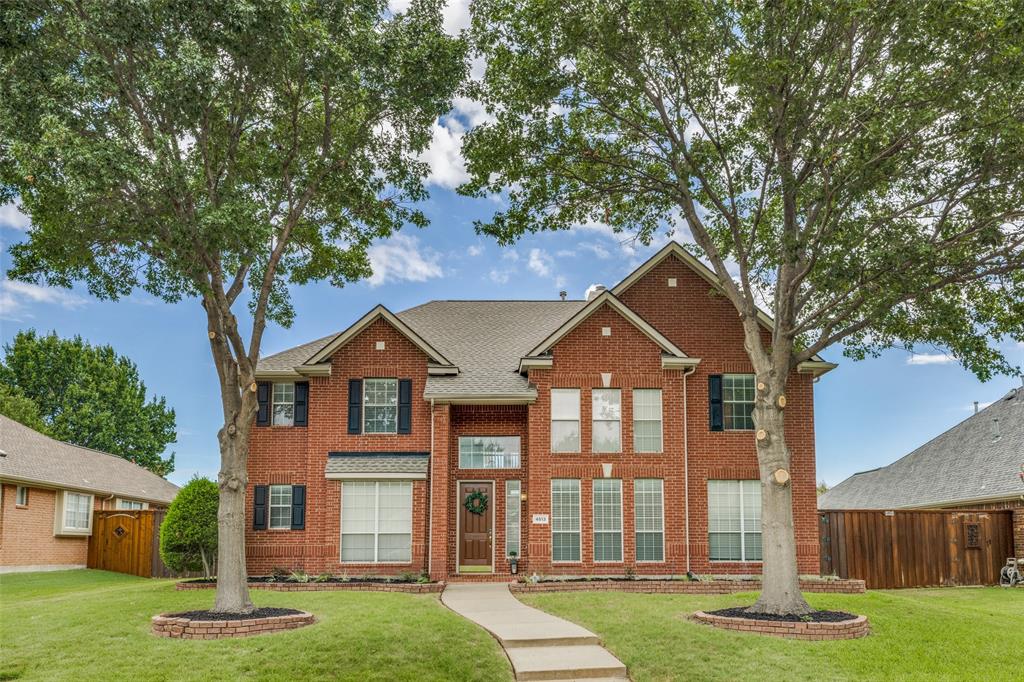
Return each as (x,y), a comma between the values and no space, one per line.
(214,625)
(662,586)
(817,625)
(333,584)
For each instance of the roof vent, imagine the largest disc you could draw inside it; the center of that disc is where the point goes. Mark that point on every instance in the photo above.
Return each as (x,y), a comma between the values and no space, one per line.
(595,291)
(563,294)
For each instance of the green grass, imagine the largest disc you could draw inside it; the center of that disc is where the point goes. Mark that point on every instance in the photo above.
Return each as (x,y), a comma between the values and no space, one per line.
(92,625)
(938,634)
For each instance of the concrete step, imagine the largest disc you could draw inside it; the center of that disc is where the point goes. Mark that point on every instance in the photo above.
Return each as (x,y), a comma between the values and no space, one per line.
(582,662)
(553,640)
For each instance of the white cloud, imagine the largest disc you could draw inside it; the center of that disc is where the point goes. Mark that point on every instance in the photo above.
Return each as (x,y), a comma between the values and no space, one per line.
(591,289)
(15,297)
(597,249)
(511,255)
(400,260)
(444,155)
(475,250)
(930,359)
(565,253)
(12,217)
(540,262)
(455,13)
(500,276)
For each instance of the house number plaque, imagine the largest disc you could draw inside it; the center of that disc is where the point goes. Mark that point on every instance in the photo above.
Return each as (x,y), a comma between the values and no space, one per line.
(540,519)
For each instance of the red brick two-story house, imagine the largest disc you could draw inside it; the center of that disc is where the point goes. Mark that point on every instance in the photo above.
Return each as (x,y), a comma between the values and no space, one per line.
(607,436)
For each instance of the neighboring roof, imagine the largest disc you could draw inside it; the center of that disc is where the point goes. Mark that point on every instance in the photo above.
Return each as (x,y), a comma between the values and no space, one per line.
(977,460)
(816,366)
(609,299)
(388,464)
(31,457)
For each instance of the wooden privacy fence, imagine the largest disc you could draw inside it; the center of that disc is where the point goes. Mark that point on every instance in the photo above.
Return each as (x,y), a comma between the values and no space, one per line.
(128,542)
(890,549)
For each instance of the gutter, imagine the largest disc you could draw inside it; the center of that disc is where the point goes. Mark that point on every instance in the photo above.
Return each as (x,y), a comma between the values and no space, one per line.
(430,498)
(686,468)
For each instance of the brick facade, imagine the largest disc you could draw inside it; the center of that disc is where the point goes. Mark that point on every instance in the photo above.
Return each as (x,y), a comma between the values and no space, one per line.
(26,532)
(703,325)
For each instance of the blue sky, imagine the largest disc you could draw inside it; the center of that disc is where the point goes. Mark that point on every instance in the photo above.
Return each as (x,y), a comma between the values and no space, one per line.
(868,413)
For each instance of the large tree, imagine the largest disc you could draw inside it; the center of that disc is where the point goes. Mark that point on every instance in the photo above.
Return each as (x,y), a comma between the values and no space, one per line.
(218,150)
(90,396)
(856,165)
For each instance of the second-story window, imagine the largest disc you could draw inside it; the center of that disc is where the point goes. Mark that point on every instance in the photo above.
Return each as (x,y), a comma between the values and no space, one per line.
(647,419)
(380,406)
(565,420)
(284,404)
(489,452)
(606,435)
(738,401)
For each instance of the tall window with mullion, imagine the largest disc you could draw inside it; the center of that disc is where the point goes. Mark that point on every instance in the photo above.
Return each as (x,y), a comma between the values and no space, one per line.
(649,513)
(565,519)
(738,401)
(376,521)
(606,435)
(565,420)
(380,405)
(734,520)
(280,506)
(513,507)
(284,404)
(647,420)
(489,452)
(607,519)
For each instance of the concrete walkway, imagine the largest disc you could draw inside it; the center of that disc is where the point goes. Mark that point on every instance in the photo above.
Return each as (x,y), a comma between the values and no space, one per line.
(540,646)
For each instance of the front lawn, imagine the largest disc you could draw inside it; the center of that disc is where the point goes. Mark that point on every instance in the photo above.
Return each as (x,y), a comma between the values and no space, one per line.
(938,634)
(91,625)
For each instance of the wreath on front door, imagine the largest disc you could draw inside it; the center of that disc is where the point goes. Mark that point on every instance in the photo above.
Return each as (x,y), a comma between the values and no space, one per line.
(476,502)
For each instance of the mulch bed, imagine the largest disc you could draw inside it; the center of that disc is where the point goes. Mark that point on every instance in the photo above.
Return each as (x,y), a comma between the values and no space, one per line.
(334,579)
(263,612)
(812,617)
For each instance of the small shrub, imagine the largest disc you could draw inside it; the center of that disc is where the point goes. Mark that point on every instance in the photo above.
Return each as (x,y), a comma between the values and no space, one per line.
(630,573)
(299,577)
(323,578)
(278,573)
(188,534)
(406,577)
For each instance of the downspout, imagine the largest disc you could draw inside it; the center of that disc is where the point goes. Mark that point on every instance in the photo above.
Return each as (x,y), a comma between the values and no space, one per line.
(686,469)
(430,499)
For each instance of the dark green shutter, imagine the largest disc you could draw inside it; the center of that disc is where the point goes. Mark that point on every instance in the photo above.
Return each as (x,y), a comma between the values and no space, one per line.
(715,402)
(263,400)
(301,403)
(259,507)
(355,405)
(405,405)
(298,507)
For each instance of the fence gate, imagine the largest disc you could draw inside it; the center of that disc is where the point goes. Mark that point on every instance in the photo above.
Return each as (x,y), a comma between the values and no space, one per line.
(890,549)
(127,541)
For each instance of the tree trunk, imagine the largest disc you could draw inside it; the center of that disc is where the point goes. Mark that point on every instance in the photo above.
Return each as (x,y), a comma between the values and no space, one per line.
(780,590)
(232,580)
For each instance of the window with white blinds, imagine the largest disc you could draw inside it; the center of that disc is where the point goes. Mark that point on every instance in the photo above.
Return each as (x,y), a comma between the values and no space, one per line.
(376,522)
(565,519)
(647,420)
(649,513)
(607,519)
(734,520)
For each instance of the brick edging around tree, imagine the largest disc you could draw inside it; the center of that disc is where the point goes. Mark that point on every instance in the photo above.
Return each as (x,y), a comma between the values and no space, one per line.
(409,588)
(844,586)
(170,625)
(847,629)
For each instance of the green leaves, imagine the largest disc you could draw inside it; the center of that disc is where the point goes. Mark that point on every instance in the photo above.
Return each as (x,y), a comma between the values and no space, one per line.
(861,160)
(189,531)
(85,395)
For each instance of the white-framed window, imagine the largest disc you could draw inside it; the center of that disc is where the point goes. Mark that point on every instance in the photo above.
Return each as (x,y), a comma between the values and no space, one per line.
(734,520)
(489,452)
(77,511)
(283,404)
(647,420)
(21,496)
(376,522)
(380,405)
(129,504)
(565,519)
(607,520)
(738,402)
(565,420)
(649,516)
(606,435)
(280,507)
(513,508)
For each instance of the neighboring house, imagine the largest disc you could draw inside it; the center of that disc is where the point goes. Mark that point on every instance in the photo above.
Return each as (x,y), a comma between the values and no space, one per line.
(48,491)
(974,465)
(606,436)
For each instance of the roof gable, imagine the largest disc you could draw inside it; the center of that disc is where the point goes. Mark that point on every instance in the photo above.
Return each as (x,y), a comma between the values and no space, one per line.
(378,312)
(609,299)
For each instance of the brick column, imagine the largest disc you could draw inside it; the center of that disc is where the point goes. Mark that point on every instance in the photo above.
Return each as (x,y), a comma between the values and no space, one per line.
(440,483)
(1018,532)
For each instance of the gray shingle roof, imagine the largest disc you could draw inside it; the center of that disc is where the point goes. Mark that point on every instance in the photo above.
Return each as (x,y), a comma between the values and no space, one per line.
(32,457)
(377,462)
(974,460)
(484,339)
